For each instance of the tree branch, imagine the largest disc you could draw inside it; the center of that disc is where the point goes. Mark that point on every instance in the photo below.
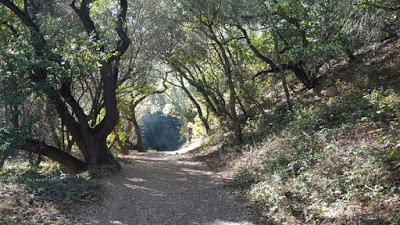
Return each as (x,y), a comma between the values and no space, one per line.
(263,72)
(24,17)
(257,52)
(121,28)
(76,108)
(71,163)
(84,15)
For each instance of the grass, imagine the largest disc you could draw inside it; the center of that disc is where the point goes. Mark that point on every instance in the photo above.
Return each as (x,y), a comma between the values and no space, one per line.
(328,175)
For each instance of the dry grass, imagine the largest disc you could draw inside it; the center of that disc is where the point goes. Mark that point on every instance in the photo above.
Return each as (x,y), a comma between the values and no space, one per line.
(18,205)
(43,195)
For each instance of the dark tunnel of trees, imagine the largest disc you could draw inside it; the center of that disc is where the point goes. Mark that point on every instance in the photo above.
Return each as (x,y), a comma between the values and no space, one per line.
(162,132)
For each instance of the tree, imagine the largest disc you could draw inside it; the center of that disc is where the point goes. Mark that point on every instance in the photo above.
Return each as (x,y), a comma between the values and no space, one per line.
(205,22)
(226,56)
(179,76)
(91,140)
(131,96)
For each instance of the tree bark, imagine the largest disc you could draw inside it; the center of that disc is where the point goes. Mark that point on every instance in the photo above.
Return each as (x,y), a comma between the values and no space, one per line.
(296,68)
(71,163)
(91,141)
(139,144)
(286,90)
(226,63)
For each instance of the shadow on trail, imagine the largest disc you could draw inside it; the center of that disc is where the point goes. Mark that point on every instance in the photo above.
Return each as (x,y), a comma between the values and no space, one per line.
(169,189)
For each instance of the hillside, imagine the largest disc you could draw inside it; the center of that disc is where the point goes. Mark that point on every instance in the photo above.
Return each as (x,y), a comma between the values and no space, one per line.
(335,159)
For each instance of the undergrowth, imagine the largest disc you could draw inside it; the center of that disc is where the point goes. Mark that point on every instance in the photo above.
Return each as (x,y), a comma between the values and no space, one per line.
(52,183)
(332,160)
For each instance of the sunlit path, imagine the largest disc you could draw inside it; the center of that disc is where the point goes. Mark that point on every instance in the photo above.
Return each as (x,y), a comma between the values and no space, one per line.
(187,147)
(168,189)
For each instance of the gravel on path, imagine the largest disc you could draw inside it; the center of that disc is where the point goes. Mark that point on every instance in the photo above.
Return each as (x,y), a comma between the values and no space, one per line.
(161,189)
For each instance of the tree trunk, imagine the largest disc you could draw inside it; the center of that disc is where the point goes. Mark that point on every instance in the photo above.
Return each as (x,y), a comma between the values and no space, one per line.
(97,151)
(122,145)
(135,124)
(70,144)
(286,90)
(233,114)
(302,75)
(226,63)
(197,105)
(91,141)
(232,99)
(205,124)
(71,163)
(236,125)
(351,56)
(139,144)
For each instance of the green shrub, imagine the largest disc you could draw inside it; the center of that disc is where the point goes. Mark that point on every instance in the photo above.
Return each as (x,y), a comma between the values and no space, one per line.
(340,111)
(244,179)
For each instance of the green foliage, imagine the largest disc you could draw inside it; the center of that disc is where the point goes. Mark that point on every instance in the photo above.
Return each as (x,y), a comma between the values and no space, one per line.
(311,175)
(244,179)
(196,127)
(349,109)
(326,152)
(9,140)
(329,158)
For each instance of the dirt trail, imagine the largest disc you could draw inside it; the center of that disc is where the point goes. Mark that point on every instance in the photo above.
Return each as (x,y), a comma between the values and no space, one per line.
(156,189)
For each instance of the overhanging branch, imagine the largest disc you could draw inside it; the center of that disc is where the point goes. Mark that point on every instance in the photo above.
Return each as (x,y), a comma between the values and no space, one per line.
(71,163)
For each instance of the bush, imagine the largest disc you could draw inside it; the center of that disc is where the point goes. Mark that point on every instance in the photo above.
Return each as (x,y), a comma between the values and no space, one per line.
(244,179)
(335,159)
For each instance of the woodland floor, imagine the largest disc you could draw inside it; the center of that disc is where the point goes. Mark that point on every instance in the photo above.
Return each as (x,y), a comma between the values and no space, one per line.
(168,189)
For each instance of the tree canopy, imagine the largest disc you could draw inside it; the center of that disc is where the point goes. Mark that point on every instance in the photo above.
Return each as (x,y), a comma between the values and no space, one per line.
(74,73)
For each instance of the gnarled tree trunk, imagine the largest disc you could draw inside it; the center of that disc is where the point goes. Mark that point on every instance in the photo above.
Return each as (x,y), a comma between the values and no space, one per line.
(91,141)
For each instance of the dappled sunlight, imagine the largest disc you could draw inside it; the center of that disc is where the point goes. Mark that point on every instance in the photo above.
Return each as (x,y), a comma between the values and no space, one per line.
(173,188)
(194,145)
(148,191)
(188,163)
(194,172)
(137,180)
(212,223)
(199,112)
